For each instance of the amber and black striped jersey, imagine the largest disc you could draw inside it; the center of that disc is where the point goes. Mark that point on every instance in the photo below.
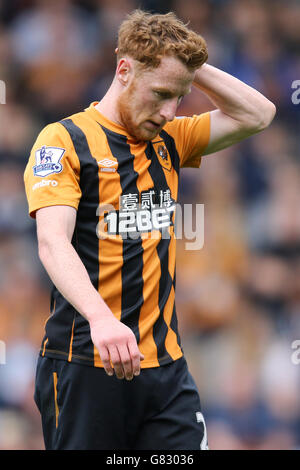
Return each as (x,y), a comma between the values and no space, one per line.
(124,193)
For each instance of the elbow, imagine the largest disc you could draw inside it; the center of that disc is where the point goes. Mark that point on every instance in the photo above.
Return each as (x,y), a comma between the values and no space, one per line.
(43,250)
(267,115)
(49,245)
(46,249)
(259,119)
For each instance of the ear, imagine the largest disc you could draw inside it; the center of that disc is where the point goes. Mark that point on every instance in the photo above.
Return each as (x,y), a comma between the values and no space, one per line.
(124,71)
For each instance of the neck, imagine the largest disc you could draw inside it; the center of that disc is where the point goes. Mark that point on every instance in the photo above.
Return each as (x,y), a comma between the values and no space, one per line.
(108,105)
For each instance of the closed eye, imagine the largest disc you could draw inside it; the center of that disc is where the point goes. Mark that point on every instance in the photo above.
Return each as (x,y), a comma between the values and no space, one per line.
(164,95)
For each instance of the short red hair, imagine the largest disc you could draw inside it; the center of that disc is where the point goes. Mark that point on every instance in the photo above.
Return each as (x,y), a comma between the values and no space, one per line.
(148,37)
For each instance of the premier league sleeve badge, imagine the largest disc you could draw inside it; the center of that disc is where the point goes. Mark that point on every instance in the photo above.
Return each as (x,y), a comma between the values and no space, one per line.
(48,161)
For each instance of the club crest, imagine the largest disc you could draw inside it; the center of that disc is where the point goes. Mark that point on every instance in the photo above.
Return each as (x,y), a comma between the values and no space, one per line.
(48,161)
(163,155)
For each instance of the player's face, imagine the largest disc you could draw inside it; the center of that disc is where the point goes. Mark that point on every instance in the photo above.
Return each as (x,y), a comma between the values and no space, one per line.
(151,98)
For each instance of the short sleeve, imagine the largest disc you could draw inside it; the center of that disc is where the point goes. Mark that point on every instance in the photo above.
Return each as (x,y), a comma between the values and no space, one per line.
(52,173)
(191,136)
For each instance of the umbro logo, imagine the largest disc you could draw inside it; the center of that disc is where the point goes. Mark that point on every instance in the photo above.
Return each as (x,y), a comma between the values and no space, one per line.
(107,165)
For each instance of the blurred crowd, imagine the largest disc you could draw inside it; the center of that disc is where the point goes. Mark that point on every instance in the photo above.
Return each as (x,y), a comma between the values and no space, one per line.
(238,298)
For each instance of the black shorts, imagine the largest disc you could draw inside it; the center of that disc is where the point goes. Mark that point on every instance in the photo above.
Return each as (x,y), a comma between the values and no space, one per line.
(83,408)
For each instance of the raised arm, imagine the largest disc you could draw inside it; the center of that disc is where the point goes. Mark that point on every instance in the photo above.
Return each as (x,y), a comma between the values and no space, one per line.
(114,340)
(242,110)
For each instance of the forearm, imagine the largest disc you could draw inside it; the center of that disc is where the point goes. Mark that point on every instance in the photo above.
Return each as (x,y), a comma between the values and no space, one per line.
(70,276)
(233,97)
(115,341)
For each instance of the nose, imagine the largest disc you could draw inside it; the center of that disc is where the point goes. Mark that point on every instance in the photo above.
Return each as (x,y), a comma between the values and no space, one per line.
(168,109)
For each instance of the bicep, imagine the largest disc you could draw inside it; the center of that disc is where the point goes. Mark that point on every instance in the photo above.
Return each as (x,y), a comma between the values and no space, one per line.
(55,221)
(225,131)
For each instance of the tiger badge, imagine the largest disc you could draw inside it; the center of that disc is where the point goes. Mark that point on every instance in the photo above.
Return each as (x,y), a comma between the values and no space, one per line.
(163,155)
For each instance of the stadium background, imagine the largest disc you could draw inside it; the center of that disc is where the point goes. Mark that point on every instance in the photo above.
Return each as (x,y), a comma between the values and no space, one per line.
(238,299)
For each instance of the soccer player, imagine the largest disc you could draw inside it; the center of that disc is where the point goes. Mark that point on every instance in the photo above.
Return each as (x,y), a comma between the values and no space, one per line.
(111,372)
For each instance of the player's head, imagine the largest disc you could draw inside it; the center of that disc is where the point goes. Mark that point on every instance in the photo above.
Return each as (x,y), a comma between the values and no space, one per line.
(157,59)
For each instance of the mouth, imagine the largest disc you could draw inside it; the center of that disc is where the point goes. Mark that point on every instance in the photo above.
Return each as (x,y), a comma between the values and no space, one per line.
(153,125)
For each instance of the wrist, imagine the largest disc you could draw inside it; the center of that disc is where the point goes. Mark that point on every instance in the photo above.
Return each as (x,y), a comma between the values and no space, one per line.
(96,310)
(203,75)
(100,316)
